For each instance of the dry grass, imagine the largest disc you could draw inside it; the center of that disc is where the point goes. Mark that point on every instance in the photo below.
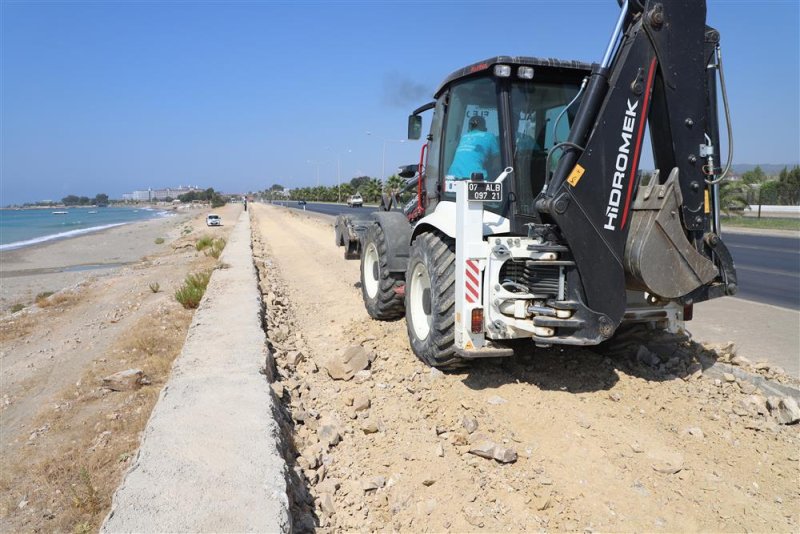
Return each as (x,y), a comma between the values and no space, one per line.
(11,329)
(48,298)
(17,327)
(69,472)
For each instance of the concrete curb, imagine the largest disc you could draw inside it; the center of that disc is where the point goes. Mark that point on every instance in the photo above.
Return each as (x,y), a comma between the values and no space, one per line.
(210,458)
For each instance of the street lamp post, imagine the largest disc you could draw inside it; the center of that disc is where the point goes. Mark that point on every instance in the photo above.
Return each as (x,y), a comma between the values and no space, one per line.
(383,158)
(338,173)
(317,163)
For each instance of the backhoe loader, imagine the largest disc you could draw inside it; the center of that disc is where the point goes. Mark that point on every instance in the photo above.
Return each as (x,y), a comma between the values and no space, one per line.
(556,237)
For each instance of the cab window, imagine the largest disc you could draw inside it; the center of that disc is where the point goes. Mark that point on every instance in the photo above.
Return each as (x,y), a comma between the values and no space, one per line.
(535,108)
(472,131)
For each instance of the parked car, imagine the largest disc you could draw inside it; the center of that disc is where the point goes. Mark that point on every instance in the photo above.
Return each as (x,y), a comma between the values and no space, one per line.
(213,220)
(355,201)
(301,202)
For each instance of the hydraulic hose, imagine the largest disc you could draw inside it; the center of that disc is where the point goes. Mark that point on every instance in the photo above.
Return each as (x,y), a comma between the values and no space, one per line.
(727,120)
(577,96)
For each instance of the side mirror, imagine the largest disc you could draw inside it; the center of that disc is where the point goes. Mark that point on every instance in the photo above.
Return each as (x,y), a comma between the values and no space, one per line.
(414,127)
(408,171)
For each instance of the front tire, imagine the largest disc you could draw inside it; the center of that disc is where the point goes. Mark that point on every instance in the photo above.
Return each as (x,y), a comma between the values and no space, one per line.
(430,300)
(378,284)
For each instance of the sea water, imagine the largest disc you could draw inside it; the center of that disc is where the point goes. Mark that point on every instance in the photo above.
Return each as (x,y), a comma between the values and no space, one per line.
(24,227)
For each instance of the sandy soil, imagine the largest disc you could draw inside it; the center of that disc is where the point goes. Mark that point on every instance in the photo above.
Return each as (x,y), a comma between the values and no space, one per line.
(66,440)
(603,442)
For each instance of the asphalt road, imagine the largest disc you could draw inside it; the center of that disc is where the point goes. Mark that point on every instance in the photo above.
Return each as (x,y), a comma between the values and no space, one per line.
(768,267)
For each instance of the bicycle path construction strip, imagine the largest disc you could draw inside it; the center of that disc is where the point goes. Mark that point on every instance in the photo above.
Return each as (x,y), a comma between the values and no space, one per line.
(210,458)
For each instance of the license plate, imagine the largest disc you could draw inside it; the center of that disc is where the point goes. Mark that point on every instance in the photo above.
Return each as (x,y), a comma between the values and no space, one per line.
(485,191)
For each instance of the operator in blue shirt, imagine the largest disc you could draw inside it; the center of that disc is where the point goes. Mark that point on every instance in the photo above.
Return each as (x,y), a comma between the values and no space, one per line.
(475,150)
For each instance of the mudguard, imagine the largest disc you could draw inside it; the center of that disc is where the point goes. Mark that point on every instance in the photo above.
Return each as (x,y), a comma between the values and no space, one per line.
(397,231)
(443,219)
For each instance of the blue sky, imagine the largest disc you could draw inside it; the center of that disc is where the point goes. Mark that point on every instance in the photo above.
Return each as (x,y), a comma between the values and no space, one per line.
(115,96)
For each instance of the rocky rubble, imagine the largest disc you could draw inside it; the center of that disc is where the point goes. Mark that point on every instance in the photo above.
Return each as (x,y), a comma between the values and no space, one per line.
(635,435)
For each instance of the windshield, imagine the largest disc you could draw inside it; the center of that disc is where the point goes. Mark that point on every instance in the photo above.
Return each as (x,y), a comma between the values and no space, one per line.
(535,108)
(471,148)
(472,142)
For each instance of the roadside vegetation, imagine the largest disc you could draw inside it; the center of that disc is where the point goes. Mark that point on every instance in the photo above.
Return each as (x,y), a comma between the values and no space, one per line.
(194,287)
(370,189)
(203,243)
(755,187)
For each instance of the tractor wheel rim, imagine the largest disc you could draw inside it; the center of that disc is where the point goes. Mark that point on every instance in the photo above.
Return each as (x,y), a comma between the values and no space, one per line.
(420,287)
(371,271)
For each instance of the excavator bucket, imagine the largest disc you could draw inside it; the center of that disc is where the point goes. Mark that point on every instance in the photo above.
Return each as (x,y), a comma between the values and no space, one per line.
(658,256)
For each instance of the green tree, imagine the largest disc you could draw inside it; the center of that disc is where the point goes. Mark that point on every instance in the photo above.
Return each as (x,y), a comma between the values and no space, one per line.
(71,200)
(371,191)
(358,182)
(101,199)
(732,197)
(394,183)
(789,186)
(768,192)
(755,176)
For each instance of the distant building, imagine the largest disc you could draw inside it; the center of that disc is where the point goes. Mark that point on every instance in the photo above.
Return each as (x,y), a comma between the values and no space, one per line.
(163,194)
(152,195)
(141,196)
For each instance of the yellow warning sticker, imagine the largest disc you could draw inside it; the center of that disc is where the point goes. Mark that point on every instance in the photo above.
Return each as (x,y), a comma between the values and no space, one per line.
(575,175)
(708,204)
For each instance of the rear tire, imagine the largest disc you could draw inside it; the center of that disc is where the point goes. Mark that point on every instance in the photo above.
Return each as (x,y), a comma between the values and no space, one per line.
(430,300)
(377,283)
(339,227)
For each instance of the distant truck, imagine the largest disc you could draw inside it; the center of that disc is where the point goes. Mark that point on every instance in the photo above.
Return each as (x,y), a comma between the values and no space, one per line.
(355,201)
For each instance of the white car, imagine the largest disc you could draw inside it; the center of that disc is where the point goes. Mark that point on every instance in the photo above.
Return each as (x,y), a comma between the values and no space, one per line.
(213,220)
(355,201)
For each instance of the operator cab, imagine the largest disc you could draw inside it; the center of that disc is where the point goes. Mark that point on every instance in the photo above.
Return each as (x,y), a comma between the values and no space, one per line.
(520,104)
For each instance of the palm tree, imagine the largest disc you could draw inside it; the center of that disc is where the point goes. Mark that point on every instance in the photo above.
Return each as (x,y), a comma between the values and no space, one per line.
(372,190)
(732,197)
(394,183)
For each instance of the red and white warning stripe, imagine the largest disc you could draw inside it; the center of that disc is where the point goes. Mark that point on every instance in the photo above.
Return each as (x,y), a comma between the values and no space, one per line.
(472,282)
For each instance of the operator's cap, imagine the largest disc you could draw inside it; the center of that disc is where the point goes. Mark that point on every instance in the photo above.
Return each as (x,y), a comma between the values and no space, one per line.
(477,123)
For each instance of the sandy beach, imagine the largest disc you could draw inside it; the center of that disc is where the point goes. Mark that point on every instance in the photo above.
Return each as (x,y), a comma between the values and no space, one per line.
(66,441)
(54,265)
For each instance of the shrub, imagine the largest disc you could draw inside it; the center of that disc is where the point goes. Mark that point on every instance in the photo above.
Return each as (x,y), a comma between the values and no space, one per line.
(41,298)
(194,287)
(204,242)
(159,240)
(154,287)
(216,248)
(17,307)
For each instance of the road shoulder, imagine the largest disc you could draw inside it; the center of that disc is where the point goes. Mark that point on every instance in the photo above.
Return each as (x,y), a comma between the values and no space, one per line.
(761,332)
